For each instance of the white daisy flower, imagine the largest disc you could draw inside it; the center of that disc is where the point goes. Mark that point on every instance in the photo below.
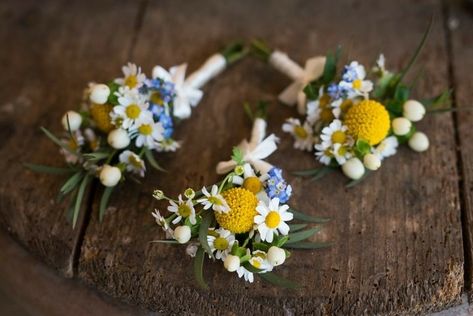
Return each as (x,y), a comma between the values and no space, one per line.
(247,275)
(149,133)
(133,162)
(323,153)
(132,76)
(271,219)
(213,200)
(303,134)
(160,220)
(353,80)
(335,133)
(260,261)
(341,153)
(132,109)
(167,145)
(221,241)
(183,209)
(74,144)
(313,111)
(386,148)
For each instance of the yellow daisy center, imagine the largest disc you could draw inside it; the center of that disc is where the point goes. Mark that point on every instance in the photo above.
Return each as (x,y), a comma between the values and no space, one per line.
(73,145)
(346,104)
(242,203)
(326,115)
(339,137)
(252,184)
(356,84)
(134,161)
(133,111)
(255,263)
(273,219)
(368,120)
(184,210)
(131,81)
(100,113)
(220,243)
(145,129)
(156,98)
(324,101)
(342,151)
(300,132)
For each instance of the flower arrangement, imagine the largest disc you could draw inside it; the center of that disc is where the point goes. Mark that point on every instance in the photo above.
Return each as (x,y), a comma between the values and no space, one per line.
(122,123)
(243,221)
(352,120)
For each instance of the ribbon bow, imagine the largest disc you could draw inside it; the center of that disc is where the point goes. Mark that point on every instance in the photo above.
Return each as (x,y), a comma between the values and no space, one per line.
(186,95)
(294,93)
(254,151)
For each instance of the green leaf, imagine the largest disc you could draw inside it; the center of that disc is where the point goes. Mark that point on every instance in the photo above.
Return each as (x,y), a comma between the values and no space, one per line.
(308,218)
(330,68)
(207,218)
(308,245)
(296,227)
(316,174)
(260,50)
(401,94)
(362,147)
(57,141)
(442,99)
(71,183)
(280,241)
(417,52)
(248,111)
(260,246)
(149,156)
(104,201)
(48,169)
(80,195)
(165,241)
(302,235)
(352,183)
(311,92)
(237,155)
(198,267)
(234,52)
(96,156)
(278,280)
(113,98)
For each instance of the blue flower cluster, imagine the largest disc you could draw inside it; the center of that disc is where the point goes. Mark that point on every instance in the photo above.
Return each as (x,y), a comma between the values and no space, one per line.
(164,88)
(276,186)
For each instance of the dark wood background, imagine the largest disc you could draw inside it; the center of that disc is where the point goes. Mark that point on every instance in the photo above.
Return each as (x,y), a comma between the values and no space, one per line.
(402,239)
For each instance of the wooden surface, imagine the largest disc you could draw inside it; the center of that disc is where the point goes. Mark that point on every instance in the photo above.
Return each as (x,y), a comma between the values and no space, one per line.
(398,237)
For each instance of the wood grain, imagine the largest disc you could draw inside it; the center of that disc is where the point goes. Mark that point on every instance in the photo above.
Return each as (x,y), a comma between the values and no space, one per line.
(460,24)
(398,242)
(51,50)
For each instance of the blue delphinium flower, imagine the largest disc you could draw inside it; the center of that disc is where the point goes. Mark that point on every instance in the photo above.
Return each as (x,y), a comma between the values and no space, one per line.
(166,120)
(165,90)
(276,186)
(335,91)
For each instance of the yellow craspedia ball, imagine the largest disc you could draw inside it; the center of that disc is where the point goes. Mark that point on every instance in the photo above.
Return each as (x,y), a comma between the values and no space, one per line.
(101,115)
(368,120)
(242,205)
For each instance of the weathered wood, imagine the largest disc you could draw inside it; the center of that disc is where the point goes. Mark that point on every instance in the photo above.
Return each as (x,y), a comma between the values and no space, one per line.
(398,243)
(460,23)
(50,50)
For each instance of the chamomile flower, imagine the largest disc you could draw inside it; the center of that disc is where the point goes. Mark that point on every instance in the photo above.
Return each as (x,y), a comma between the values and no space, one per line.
(302,134)
(183,209)
(167,145)
(271,219)
(132,109)
(132,76)
(247,275)
(386,148)
(221,242)
(313,111)
(353,80)
(335,133)
(148,132)
(160,220)
(213,200)
(249,180)
(259,260)
(133,162)
(323,153)
(74,144)
(341,153)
